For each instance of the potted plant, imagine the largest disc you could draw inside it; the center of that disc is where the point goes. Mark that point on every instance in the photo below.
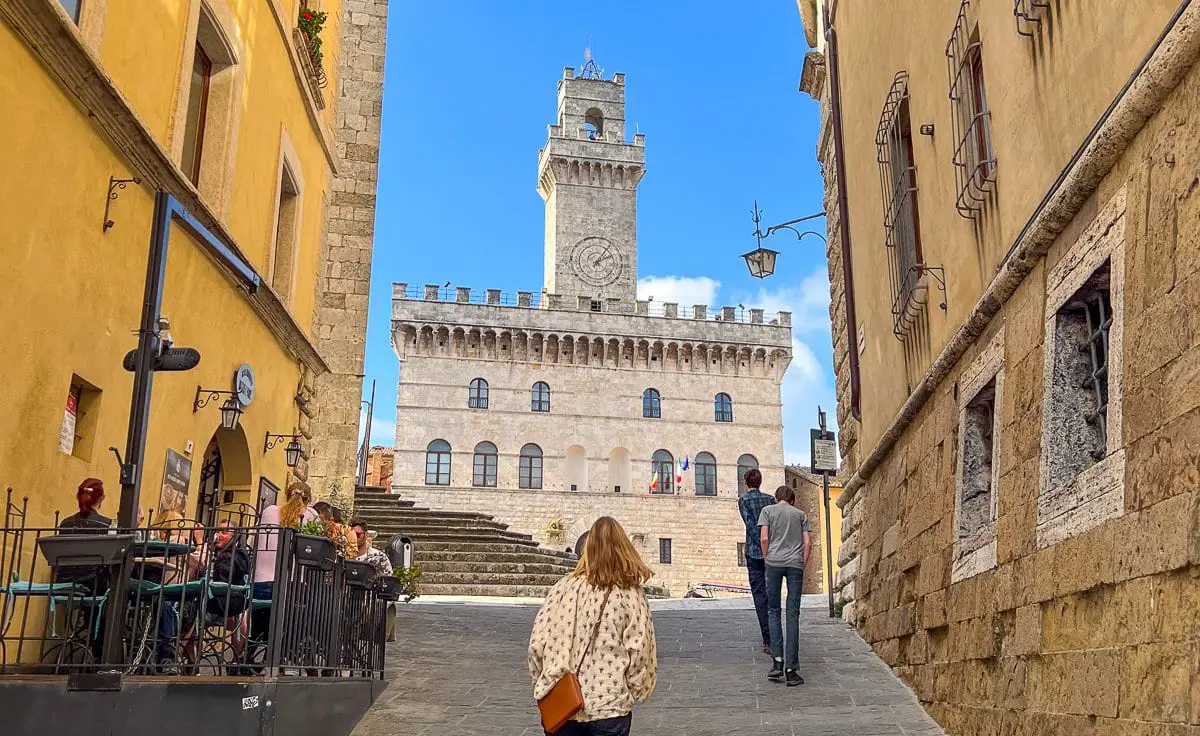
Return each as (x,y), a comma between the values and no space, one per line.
(311,22)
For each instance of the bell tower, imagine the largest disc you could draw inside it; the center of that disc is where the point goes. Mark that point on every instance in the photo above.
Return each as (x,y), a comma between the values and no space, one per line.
(588,176)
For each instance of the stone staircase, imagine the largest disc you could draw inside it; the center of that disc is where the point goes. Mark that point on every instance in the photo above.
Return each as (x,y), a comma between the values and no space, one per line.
(463,553)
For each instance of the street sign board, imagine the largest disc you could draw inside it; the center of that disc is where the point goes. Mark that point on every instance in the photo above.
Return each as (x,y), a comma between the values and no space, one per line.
(823,451)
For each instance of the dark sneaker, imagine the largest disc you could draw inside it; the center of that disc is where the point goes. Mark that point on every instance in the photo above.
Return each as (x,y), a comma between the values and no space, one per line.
(794,678)
(776,673)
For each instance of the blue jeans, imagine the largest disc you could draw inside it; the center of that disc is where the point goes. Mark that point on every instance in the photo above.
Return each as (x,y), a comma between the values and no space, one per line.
(168,632)
(795,583)
(756,570)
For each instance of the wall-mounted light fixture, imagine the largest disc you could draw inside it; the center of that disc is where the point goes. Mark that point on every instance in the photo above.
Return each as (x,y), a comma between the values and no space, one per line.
(761,261)
(231,410)
(292,450)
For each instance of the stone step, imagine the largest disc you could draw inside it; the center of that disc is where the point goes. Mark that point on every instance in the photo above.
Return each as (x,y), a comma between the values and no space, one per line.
(392,502)
(525,557)
(503,591)
(430,567)
(418,513)
(466,534)
(397,522)
(489,578)
(483,548)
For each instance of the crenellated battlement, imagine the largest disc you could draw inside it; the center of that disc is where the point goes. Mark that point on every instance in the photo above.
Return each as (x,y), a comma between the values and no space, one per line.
(536,300)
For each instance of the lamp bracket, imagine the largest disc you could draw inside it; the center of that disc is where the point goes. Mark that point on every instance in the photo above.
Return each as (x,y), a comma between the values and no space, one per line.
(206,395)
(115,184)
(273,440)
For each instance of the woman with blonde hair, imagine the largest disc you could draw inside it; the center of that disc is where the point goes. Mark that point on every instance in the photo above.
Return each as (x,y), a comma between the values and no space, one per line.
(294,512)
(595,628)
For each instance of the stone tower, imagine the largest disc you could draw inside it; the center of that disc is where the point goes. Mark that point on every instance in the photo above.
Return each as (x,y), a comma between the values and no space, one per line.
(588,175)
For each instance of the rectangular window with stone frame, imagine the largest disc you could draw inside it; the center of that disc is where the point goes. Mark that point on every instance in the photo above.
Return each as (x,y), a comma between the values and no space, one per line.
(980,388)
(1082,472)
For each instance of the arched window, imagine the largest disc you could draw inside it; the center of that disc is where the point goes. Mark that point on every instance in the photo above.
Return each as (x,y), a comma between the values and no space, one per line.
(485,465)
(745,462)
(662,468)
(651,404)
(437,463)
(531,466)
(539,397)
(478,395)
(706,474)
(723,408)
(593,123)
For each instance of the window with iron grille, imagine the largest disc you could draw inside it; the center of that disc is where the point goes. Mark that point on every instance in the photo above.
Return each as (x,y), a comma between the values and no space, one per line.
(706,474)
(1079,382)
(741,553)
(539,397)
(723,408)
(651,404)
(485,465)
(477,396)
(1030,14)
(901,216)
(974,160)
(664,551)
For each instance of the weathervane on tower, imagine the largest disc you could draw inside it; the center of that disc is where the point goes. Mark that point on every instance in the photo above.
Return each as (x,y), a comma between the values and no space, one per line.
(590,69)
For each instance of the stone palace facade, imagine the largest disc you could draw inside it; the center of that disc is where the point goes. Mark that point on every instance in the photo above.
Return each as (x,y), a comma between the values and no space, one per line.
(551,409)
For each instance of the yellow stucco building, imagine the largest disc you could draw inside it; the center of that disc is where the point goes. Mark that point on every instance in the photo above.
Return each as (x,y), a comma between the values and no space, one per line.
(267,142)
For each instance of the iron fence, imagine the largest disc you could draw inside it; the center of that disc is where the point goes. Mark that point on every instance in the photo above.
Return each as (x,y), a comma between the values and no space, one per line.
(176,598)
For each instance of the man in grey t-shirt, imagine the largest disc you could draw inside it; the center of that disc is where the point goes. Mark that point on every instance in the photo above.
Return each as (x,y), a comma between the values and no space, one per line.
(786,541)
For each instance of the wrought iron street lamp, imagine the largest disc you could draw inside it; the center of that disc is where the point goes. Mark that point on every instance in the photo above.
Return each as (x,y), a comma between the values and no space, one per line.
(291,451)
(231,410)
(761,261)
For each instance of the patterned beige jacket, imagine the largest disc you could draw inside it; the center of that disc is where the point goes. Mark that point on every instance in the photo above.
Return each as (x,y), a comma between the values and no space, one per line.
(623,664)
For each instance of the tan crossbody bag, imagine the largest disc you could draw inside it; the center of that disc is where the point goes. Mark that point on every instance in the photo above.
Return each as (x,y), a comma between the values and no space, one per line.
(565,699)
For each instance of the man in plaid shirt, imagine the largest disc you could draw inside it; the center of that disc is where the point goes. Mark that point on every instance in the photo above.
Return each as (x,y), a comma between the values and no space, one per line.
(751,505)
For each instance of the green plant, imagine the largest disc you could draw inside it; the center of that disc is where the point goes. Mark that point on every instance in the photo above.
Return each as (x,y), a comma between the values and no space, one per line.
(410,581)
(838,606)
(311,22)
(313,528)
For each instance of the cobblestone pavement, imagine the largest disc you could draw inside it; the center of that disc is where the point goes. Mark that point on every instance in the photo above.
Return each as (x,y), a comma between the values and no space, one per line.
(460,669)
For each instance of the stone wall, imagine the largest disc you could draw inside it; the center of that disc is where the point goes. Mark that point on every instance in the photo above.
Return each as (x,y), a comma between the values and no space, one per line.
(1091,627)
(330,417)
(380,461)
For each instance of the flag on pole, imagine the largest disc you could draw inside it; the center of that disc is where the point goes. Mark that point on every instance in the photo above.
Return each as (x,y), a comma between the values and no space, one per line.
(685,461)
(653,481)
(678,473)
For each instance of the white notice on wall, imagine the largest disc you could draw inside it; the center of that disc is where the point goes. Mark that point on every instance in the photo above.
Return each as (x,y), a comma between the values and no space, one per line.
(66,437)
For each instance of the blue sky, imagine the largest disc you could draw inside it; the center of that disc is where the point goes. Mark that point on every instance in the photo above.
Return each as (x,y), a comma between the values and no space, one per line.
(469,90)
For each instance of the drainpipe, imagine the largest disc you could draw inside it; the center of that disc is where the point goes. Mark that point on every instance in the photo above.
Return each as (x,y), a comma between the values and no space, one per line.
(839,152)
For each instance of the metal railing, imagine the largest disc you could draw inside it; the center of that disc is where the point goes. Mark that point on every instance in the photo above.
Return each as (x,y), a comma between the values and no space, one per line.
(181,599)
(1029,15)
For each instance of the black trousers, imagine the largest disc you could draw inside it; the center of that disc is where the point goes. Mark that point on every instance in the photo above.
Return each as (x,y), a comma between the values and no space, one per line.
(757,570)
(606,727)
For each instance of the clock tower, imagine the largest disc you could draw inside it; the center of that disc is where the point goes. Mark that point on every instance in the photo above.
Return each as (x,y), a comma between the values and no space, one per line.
(588,175)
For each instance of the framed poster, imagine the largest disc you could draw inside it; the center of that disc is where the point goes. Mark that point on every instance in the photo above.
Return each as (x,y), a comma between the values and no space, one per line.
(268,494)
(177,474)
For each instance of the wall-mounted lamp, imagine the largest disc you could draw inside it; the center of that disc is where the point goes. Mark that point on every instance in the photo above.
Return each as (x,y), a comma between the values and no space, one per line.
(231,410)
(292,450)
(927,129)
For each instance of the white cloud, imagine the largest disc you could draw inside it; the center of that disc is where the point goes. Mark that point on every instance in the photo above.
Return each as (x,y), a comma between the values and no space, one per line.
(383,429)
(682,290)
(805,386)
(808,302)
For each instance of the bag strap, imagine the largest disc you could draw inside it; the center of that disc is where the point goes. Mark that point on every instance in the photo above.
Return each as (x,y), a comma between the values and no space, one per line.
(595,631)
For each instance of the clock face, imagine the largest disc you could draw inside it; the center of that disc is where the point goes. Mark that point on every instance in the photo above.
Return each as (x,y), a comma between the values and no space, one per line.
(596,261)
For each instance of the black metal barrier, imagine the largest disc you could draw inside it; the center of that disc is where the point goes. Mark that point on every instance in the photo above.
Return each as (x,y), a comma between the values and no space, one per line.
(192,603)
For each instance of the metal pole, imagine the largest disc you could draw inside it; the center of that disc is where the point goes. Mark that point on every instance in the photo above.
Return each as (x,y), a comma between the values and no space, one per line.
(139,418)
(828,528)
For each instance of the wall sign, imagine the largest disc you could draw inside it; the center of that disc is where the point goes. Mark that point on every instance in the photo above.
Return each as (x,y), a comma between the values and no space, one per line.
(243,384)
(824,451)
(177,474)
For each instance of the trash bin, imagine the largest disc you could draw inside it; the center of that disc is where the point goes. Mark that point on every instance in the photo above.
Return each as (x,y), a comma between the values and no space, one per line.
(400,552)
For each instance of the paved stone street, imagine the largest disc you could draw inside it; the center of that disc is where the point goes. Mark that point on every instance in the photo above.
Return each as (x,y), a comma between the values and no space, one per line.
(460,669)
